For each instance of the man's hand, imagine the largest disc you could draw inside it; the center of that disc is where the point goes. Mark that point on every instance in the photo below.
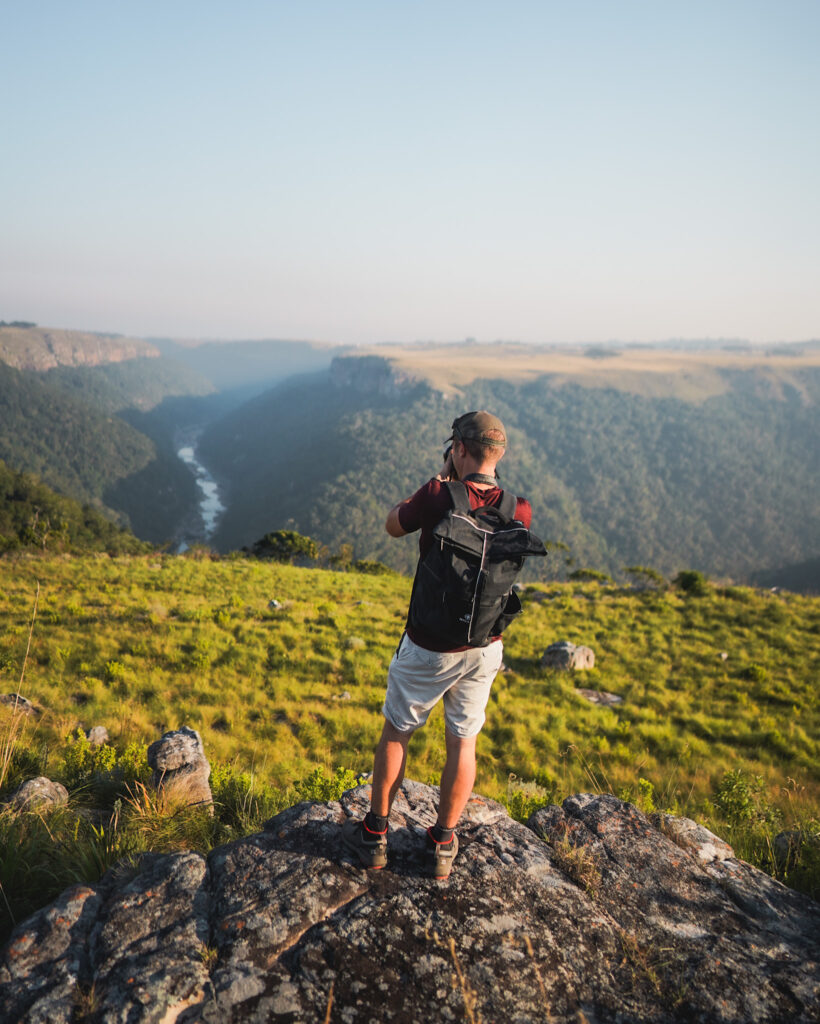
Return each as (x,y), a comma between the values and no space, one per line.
(448,470)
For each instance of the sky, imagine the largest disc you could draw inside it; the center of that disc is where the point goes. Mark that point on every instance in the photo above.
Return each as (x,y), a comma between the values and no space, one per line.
(361,172)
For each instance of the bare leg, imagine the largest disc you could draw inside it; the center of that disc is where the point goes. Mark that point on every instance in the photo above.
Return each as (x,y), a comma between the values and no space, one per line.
(388,768)
(457,779)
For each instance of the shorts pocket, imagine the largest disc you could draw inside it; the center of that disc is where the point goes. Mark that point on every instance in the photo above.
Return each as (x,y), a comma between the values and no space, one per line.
(493,655)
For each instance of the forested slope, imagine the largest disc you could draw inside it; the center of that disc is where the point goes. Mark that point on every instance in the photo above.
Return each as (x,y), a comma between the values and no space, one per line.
(728,485)
(62,427)
(34,517)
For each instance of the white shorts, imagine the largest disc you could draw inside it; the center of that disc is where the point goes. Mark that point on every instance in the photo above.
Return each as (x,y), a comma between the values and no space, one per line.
(418,679)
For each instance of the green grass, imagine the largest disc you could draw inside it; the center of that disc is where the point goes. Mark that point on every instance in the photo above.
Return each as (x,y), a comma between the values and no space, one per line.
(144,644)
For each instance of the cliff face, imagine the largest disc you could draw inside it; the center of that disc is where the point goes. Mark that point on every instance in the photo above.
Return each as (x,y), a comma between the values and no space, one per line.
(590,913)
(43,348)
(371,375)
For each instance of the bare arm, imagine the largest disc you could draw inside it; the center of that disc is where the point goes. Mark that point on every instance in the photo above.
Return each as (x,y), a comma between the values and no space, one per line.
(393,526)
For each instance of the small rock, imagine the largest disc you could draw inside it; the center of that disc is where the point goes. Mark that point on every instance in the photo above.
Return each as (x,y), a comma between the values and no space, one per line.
(600,697)
(18,703)
(273,604)
(180,766)
(355,643)
(39,792)
(787,845)
(724,655)
(342,696)
(97,736)
(564,655)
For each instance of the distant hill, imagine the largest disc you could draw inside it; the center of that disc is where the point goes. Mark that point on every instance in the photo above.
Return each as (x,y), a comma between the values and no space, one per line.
(42,348)
(252,366)
(704,461)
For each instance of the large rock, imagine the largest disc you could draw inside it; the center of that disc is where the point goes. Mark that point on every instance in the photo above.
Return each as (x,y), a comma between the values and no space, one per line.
(590,913)
(39,792)
(180,766)
(564,655)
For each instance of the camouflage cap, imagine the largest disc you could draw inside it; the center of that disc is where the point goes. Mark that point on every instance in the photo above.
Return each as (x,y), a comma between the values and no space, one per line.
(476,426)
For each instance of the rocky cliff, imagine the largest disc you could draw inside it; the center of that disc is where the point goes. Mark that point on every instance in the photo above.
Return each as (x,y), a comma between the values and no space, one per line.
(371,375)
(43,348)
(590,913)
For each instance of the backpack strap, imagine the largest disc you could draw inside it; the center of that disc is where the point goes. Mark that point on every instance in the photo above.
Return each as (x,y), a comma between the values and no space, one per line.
(459,496)
(461,501)
(508,505)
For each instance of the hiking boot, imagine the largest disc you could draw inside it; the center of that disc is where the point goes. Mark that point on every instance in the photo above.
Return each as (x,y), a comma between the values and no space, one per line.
(369,847)
(439,857)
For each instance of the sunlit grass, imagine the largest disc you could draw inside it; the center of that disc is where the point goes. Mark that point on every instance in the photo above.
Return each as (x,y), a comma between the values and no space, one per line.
(144,644)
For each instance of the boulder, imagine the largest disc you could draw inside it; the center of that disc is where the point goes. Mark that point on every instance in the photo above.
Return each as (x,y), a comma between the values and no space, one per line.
(180,766)
(564,655)
(589,912)
(39,792)
(18,703)
(97,735)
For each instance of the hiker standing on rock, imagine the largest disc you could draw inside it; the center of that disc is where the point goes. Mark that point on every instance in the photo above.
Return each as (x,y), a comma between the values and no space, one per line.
(451,649)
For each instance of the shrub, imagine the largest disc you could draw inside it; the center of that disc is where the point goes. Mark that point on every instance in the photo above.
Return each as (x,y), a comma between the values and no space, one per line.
(371,567)
(321,786)
(590,575)
(285,546)
(754,673)
(690,581)
(741,800)
(647,574)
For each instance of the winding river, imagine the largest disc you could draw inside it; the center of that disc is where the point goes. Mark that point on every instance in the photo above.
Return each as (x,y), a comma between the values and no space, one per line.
(210,504)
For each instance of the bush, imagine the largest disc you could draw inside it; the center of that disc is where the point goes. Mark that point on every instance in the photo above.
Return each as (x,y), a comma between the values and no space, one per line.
(321,787)
(690,581)
(740,799)
(590,575)
(285,546)
(647,574)
(371,567)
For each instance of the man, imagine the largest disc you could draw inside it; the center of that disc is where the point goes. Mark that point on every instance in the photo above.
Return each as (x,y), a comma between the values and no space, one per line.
(425,669)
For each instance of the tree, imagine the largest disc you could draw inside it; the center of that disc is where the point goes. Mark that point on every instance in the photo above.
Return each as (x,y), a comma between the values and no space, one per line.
(285,546)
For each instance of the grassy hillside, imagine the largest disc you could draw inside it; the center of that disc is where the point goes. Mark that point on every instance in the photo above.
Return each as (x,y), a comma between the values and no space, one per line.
(145,644)
(729,485)
(719,719)
(690,372)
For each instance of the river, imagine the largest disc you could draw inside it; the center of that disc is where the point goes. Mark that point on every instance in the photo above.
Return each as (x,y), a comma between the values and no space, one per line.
(210,504)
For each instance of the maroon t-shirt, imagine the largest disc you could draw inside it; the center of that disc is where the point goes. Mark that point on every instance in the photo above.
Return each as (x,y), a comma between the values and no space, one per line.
(425,510)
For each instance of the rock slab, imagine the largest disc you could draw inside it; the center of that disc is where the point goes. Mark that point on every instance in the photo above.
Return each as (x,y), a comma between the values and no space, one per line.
(589,912)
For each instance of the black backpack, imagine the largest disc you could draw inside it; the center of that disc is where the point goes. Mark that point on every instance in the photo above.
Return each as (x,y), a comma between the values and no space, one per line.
(462,593)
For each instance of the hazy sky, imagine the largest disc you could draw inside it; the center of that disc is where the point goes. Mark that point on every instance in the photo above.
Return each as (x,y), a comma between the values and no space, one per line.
(580,170)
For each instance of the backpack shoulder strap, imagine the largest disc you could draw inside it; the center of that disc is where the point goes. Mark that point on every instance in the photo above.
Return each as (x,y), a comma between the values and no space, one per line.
(458,496)
(508,504)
